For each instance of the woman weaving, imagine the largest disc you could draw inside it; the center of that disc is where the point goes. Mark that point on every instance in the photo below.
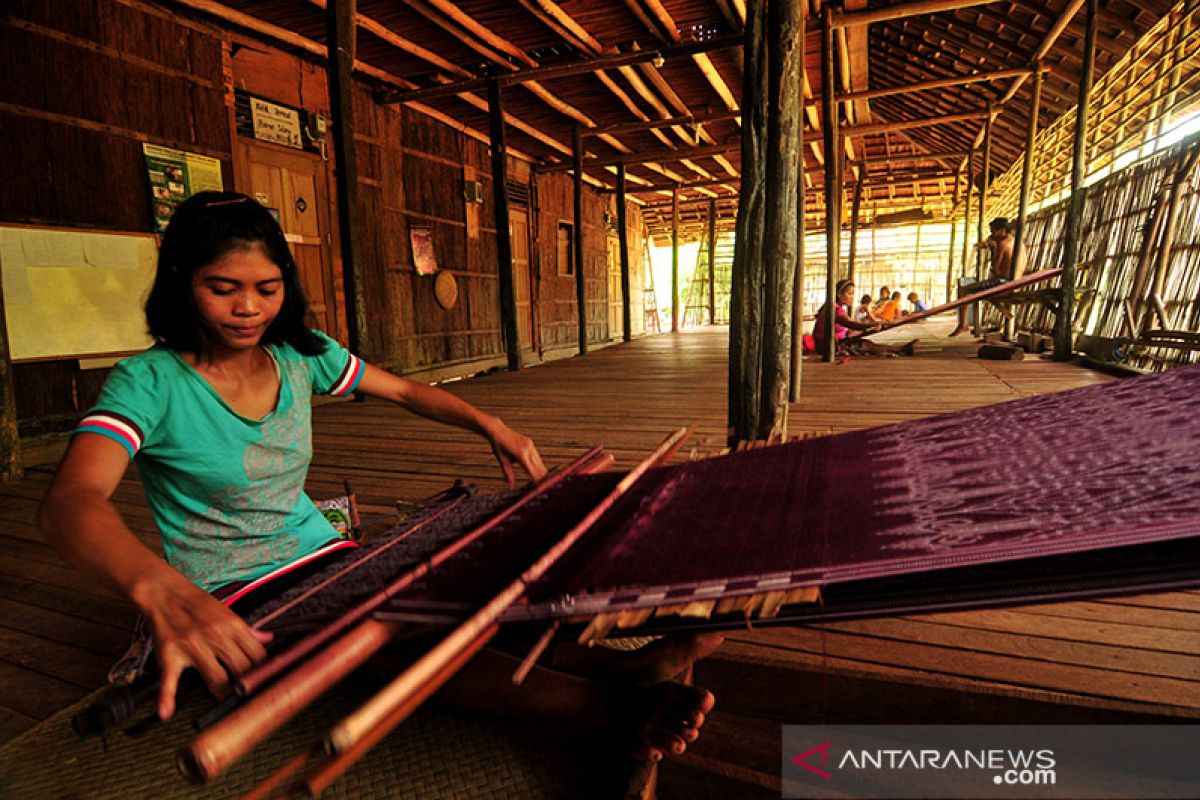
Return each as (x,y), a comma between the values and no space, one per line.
(217,418)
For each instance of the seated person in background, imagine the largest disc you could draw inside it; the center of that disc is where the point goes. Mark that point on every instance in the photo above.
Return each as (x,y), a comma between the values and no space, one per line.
(885,297)
(890,310)
(918,305)
(843,324)
(1000,245)
(864,313)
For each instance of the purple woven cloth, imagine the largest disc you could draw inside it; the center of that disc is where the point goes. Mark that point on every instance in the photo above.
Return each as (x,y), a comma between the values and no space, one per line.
(1099,467)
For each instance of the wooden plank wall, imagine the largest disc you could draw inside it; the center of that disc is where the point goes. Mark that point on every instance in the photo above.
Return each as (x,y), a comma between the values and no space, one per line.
(114,73)
(97,84)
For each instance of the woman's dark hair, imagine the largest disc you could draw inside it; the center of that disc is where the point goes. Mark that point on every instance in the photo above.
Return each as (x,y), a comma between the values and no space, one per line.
(204,228)
(841,287)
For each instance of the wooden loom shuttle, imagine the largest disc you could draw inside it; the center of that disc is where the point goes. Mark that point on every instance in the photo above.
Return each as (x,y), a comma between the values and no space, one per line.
(379,712)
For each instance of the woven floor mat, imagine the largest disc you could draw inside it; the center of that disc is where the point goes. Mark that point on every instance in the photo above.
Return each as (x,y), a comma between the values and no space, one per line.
(435,754)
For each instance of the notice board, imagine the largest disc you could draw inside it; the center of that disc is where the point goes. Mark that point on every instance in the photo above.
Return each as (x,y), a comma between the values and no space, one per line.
(71,293)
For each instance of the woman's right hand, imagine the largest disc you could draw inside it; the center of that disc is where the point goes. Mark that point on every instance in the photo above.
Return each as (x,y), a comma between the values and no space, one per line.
(191,628)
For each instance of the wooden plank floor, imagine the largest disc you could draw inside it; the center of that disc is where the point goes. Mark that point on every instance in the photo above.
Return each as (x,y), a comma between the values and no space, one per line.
(58,633)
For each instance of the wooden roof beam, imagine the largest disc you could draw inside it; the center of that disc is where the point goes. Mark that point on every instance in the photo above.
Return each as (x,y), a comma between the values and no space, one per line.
(914,8)
(937,83)
(553,71)
(646,125)
(906,159)
(909,124)
(642,158)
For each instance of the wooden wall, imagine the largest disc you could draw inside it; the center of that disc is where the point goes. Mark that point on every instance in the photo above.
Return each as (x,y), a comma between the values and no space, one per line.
(112,74)
(86,85)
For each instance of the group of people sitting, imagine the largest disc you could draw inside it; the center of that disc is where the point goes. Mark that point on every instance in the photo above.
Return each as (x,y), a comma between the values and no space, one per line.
(887,307)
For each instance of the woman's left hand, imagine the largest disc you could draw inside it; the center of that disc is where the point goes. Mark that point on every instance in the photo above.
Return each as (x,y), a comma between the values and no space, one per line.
(510,446)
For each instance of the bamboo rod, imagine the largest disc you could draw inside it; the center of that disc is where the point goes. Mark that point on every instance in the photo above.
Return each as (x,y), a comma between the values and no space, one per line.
(649,155)
(798,284)
(909,124)
(712,262)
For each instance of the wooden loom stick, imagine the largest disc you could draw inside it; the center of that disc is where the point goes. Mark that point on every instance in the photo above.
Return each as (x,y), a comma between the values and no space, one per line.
(378,715)
(213,751)
(253,680)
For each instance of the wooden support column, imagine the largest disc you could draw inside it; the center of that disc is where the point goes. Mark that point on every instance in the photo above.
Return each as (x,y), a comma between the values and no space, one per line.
(508,294)
(785,74)
(833,187)
(623,247)
(855,204)
(798,284)
(966,248)
(712,261)
(1027,173)
(1063,326)
(577,243)
(674,260)
(746,284)
(340,20)
(953,232)
(10,439)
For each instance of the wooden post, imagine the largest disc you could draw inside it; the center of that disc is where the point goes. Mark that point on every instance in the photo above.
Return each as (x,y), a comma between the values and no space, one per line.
(504,270)
(674,260)
(966,248)
(1063,333)
(746,280)
(798,284)
(785,75)
(1027,173)
(10,439)
(833,188)
(623,247)
(340,21)
(577,243)
(984,178)
(854,206)
(953,232)
(712,261)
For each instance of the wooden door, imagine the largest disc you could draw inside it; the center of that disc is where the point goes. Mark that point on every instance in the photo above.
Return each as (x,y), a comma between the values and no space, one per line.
(616,310)
(518,225)
(293,184)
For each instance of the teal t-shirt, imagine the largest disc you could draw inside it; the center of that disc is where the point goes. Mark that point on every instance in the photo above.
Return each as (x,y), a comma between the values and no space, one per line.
(227,492)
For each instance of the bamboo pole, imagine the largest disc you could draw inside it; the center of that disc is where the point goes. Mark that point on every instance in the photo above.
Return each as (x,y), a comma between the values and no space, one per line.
(909,124)
(937,83)
(1027,174)
(669,154)
(623,247)
(1064,324)
(340,29)
(967,214)
(577,240)
(833,193)
(508,294)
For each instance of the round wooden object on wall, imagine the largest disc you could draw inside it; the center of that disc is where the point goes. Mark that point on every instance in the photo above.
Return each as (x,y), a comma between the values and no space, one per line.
(445,289)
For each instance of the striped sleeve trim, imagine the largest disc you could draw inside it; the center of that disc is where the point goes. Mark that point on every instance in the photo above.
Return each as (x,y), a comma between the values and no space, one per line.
(121,429)
(348,381)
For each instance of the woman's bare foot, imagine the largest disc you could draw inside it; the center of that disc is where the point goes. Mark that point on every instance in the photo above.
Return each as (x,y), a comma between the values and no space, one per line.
(666,718)
(959,331)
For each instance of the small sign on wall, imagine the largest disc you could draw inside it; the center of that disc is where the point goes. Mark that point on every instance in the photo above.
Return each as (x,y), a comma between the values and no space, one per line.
(275,123)
(423,254)
(175,176)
